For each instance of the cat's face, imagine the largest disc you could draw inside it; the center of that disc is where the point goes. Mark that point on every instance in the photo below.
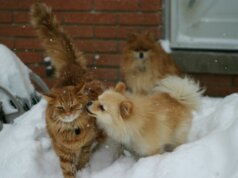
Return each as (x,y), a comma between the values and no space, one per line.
(67,103)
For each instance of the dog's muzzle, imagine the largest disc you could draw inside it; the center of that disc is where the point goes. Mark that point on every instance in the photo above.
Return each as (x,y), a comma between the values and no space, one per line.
(90,103)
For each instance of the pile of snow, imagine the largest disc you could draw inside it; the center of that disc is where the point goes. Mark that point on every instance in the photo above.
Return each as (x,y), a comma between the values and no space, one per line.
(165,44)
(26,152)
(14,77)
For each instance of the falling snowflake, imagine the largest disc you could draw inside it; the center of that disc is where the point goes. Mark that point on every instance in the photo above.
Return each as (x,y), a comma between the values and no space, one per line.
(97,57)
(49,67)
(47,59)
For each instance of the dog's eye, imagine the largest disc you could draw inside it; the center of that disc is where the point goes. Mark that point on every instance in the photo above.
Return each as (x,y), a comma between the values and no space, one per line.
(101,108)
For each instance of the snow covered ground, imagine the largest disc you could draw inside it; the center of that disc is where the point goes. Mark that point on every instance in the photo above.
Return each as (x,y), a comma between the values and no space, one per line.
(26,152)
(25,149)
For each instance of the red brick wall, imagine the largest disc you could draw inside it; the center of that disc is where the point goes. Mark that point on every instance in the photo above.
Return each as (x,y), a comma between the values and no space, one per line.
(218,84)
(99,28)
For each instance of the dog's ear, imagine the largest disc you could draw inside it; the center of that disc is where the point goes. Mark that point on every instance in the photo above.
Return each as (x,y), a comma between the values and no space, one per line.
(120,87)
(131,37)
(126,109)
(150,35)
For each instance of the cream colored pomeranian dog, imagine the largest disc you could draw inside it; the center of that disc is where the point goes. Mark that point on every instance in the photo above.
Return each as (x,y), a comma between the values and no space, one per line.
(151,124)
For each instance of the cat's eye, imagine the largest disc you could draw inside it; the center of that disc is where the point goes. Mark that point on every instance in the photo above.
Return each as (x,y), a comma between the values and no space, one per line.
(60,108)
(101,107)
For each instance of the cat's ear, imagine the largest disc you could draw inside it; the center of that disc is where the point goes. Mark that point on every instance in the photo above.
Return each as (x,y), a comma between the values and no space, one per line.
(48,96)
(126,109)
(80,88)
(120,87)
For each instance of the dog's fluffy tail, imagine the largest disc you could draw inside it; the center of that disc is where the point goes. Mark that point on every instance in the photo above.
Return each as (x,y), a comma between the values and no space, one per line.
(185,90)
(55,41)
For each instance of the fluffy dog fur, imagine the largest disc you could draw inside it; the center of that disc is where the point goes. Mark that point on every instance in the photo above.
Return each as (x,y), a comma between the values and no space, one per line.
(144,62)
(148,124)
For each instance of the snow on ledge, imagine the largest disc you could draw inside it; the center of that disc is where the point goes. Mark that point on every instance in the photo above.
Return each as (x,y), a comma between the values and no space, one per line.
(165,44)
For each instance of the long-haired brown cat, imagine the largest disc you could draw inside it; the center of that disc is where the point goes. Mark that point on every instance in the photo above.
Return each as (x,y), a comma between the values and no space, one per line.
(71,129)
(144,62)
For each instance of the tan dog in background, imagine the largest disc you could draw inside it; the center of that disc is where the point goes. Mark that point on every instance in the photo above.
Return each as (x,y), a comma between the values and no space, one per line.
(150,124)
(144,62)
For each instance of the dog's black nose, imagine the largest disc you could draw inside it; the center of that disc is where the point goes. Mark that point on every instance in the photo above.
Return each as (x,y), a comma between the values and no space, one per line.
(141,55)
(89,103)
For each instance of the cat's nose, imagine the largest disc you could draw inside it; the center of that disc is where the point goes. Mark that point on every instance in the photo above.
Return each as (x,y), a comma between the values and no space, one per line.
(89,103)
(68,113)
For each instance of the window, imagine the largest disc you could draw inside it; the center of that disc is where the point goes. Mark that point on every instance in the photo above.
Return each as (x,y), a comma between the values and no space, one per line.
(204,24)
(203,34)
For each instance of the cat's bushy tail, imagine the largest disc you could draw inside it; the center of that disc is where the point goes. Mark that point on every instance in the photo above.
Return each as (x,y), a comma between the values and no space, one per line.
(55,41)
